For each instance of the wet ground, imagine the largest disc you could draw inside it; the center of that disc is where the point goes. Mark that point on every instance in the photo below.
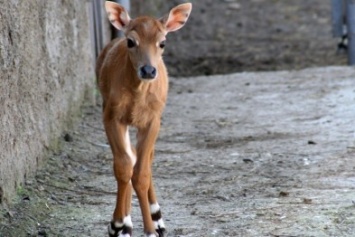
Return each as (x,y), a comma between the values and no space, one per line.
(248,154)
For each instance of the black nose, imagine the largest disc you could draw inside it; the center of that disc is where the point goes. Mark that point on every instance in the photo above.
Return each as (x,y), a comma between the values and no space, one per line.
(148,72)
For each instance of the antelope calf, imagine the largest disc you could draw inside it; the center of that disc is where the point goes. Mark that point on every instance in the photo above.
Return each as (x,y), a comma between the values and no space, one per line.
(133,82)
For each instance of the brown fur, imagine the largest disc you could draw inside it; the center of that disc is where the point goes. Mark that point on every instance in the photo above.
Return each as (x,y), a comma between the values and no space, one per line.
(125,97)
(130,101)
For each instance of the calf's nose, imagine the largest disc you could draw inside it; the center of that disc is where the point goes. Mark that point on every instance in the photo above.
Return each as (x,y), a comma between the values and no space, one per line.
(148,72)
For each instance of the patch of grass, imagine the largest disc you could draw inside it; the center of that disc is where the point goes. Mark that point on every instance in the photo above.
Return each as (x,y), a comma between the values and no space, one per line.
(21,191)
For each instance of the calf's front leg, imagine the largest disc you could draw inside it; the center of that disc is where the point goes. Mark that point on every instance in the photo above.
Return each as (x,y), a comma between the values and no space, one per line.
(155,211)
(123,169)
(142,174)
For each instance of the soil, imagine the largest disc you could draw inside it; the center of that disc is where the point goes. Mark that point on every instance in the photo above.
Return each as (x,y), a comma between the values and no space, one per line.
(253,35)
(247,154)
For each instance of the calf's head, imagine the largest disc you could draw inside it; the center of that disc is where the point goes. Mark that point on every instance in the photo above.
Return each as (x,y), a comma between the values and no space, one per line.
(145,36)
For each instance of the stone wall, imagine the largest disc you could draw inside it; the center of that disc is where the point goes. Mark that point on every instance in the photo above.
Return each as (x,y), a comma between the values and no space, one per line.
(46,69)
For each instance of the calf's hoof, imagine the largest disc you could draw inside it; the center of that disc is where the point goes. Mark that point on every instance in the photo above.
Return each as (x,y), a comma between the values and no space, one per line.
(162,232)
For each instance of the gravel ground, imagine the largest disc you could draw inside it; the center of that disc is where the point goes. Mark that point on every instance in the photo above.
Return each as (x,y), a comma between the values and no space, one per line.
(250,154)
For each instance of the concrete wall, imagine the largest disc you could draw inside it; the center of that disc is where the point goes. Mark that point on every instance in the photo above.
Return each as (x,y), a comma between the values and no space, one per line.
(46,71)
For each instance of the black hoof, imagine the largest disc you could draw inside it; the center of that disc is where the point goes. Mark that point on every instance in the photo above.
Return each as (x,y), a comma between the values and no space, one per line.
(127,230)
(113,230)
(162,232)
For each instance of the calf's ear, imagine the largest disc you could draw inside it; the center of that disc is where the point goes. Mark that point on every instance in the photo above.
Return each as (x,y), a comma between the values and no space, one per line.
(117,15)
(177,17)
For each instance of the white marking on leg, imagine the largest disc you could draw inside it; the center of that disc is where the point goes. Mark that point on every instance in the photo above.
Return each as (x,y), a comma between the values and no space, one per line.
(161,223)
(110,230)
(128,148)
(154,208)
(125,235)
(128,221)
(151,235)
(118,224)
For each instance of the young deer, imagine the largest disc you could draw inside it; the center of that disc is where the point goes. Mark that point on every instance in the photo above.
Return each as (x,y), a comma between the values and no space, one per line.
(134,83)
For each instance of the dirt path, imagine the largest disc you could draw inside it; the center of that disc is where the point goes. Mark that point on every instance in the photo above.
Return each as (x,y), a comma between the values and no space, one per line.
(251,154)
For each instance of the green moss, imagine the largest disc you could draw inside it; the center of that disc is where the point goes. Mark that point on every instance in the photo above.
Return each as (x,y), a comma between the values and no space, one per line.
(21,191)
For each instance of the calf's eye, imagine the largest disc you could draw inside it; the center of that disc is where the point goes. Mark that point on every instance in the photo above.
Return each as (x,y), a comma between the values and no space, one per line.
(131,43)
(162,44)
